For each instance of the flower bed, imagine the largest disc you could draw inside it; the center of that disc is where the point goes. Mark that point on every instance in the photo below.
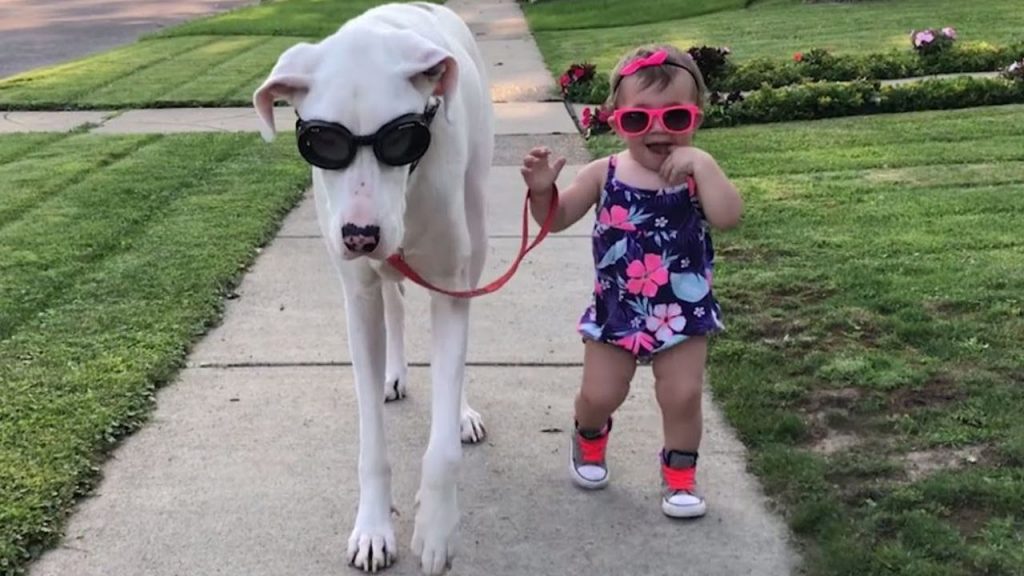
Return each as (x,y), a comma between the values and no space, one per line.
(815,100)
(822,65)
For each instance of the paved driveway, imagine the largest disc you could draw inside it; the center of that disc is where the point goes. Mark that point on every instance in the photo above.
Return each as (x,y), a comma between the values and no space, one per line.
(36,33)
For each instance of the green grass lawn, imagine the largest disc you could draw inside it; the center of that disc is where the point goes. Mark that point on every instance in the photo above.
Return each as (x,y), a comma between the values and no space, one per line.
(579,14)
(168,72)
(279,18)
(216,61)
(115,255)
(777,29)
(874,299)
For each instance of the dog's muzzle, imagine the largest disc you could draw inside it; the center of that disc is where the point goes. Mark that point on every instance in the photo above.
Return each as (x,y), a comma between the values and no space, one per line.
(360,239)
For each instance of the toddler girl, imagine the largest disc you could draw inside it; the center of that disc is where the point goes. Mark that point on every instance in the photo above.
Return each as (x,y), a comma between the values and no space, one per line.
(655,203)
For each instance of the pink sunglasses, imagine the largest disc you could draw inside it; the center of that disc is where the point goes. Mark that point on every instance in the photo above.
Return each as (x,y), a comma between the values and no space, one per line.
(681,119)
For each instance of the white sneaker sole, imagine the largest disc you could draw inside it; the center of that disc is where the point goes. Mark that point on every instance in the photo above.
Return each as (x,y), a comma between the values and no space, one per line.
(676,511)
(580,480)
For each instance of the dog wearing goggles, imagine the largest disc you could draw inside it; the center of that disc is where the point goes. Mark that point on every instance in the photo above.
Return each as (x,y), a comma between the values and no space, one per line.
(395,120)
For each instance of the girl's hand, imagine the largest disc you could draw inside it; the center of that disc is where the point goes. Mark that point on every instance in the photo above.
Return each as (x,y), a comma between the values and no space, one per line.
(722,203)
(684,161)
(539,175)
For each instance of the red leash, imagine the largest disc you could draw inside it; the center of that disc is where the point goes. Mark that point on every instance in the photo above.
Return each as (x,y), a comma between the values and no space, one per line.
(399,263)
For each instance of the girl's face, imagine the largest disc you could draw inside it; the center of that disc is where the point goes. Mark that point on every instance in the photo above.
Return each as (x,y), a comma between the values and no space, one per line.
(653,147)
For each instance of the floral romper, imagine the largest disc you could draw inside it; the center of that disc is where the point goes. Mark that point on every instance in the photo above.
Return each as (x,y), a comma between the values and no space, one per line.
(654,261)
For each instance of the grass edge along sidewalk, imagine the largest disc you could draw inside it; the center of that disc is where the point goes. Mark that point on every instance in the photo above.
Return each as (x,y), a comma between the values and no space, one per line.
(115,261)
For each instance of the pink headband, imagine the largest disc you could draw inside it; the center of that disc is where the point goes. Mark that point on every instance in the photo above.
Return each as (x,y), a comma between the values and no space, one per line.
(658,58)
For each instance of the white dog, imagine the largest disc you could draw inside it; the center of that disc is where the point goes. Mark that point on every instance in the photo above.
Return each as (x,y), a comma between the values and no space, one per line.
(389,177)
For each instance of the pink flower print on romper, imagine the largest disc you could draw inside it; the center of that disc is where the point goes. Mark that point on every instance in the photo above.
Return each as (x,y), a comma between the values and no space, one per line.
(666,321)
(617,217)
(647,276)
(635,341)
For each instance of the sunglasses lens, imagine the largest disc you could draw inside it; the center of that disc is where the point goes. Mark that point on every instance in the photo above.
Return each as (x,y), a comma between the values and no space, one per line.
(326,148)
(634,121)
(403,144)
(678,119)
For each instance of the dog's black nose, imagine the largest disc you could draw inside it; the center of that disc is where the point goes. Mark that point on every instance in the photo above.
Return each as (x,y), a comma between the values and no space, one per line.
(360,239)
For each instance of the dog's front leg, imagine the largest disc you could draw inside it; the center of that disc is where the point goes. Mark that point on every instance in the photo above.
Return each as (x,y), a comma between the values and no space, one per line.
(394,316)
(437,518)
(371,545)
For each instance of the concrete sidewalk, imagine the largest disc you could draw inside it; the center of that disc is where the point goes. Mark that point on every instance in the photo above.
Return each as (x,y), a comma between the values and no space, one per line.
(248,465)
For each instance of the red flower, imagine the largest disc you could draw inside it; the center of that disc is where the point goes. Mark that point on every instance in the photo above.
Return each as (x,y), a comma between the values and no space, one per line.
(798,57)
(586,118)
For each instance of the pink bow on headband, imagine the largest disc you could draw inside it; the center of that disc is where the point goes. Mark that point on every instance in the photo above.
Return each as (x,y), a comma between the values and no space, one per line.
(656,59)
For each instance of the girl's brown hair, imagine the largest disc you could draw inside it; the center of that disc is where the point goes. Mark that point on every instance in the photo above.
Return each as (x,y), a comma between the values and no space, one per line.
(678,62)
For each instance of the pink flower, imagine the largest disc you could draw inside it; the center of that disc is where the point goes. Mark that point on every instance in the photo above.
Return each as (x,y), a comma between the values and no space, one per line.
(798,57)
(618,217)
(635,341)
(949,32)
(923,37)
(666,321)
(586,117)
(603,115)
(645,277)
(565,80)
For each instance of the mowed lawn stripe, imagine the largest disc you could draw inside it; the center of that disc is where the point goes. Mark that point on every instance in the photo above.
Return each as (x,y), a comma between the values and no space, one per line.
(44,252)
(65,84)
(235,79)
(14,149)
(52,167)
(153,82)
(317,18)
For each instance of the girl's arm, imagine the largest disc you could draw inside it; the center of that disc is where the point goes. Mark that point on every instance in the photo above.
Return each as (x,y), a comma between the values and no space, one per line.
(722,203)
(574,201)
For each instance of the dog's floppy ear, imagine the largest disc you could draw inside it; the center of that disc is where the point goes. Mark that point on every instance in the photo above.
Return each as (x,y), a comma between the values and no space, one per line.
(289,80)
(425,59)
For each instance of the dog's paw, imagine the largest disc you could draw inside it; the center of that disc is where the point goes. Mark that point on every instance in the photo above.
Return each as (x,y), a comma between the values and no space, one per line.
(472,426)
(394,387)
(436,530)
(372,549)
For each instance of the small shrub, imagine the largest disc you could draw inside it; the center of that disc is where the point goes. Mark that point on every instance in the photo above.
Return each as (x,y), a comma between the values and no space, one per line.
(595,120)
(576,79)
(930,41)
(712,62)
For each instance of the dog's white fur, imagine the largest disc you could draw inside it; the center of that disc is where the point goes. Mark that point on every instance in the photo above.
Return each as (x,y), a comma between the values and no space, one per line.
(377,66)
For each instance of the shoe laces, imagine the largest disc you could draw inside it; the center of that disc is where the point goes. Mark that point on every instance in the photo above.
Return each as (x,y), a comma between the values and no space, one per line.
(592,451)
(680,479)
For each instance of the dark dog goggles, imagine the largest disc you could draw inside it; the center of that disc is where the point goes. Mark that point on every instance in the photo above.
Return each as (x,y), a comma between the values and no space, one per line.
(332,146)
